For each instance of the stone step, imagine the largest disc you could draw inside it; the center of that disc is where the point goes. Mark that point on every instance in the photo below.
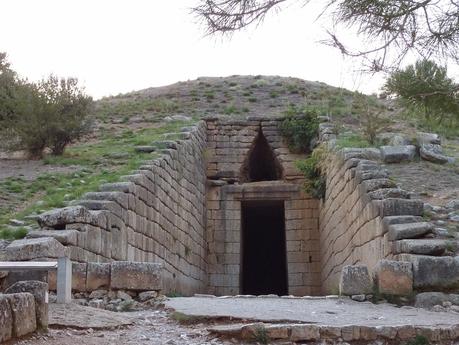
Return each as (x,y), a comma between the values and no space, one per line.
(422,247)
(66,237)
(409,230)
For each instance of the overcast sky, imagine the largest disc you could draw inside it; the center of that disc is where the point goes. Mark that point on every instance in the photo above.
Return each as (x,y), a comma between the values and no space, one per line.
(116,46)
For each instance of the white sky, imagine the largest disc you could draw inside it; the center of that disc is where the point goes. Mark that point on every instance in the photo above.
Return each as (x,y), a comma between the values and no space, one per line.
(116,46)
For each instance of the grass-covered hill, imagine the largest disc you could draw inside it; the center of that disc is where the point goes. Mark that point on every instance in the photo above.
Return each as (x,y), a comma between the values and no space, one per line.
(138,118)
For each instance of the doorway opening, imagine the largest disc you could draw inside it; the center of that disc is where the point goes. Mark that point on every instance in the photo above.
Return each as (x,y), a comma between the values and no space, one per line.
(263,248)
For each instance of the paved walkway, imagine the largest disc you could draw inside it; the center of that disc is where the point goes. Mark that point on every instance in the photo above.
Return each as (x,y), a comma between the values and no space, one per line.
(329,312)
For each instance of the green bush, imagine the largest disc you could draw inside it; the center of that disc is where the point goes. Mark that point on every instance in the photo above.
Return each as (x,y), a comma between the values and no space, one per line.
(299,127)
(313,170)
(51,113)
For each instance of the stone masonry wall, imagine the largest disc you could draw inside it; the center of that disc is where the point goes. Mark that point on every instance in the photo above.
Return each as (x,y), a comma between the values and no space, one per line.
(157,214)
(229,145)
(360,202)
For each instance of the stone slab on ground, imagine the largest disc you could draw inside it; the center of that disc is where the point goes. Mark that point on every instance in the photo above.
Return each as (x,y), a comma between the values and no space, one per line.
(320,311)
(77,316)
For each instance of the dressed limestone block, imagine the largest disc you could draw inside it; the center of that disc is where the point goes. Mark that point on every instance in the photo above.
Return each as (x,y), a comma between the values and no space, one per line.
(394,277)
(355,280)
(23,311)
(6,319)
(58,218)
(136,275)
(33,248)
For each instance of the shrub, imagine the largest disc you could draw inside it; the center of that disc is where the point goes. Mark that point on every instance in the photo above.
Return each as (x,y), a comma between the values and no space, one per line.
(299,128)
(33,116)
(371,120)
(313,170)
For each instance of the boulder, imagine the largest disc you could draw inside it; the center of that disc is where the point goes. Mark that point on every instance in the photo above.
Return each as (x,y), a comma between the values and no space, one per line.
(394,277)
(147,295)
(428,138)
(23,311)
(397,154)
(355,280)
(6,319)
(136,276)
(453,205)
(429,299)
(433,153)
(33,248)
(39,290)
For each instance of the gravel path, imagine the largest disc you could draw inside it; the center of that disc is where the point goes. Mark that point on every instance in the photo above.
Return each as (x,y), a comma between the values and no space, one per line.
(154,327)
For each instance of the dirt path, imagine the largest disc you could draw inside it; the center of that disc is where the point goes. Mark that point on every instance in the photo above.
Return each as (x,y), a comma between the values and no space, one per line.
(154,327)
(29,169)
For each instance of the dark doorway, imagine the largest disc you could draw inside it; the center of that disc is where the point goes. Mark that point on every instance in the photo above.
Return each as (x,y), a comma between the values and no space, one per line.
(264,264)
(261,163)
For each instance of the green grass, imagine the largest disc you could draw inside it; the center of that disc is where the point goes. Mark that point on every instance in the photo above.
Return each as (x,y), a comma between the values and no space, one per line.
(100,162)
(351,140)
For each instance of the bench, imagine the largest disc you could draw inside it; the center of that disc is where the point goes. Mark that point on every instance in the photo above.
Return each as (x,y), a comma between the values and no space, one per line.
(64,273)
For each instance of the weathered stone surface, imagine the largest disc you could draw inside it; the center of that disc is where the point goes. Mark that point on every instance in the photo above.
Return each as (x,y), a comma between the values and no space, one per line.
(136,276)
(401,207)
(385,193)
(147,295)
(39,290)
(6,319)
(66,237)
(79,276)
(23,311)
(428,138)
(145,149)
(355,280)
(305,332)
(29,249)
(409,230)
(97,276)
(453,205)
(433,153)
(429,299)
(394,277)
(421,246)
(397,154)
(59,217)
(432,272)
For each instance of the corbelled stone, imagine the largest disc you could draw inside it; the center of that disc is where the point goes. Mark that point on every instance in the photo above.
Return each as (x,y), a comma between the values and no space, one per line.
(59,217)
(409,230)
(397,154)
(431,272)
(66,237)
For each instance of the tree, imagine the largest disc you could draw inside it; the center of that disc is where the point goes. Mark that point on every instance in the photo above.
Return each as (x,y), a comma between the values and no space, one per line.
(33,116)
(390,28)
(427,87)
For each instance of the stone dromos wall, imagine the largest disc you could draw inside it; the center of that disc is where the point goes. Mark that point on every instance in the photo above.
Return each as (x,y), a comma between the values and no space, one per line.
(229,146)
(359,204)
(156,215)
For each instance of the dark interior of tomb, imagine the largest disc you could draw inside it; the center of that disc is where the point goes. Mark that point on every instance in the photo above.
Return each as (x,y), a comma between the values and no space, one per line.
(264,264)
(261,164)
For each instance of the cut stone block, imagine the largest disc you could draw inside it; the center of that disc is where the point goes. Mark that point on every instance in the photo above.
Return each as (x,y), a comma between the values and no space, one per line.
(59,217)
(394,277)
(355,280)
(6,319)
(136,276)
(420,246)
(23,310)
(436,273)
(39,290)
(33,248)
(429,299)
(79,276)
(98,276)
(397,154)
(401,207)
(66,237)
(428,138)
(409,230)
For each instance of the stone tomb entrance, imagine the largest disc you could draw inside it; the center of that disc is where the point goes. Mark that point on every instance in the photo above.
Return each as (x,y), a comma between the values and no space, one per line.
(263,248)
(262,229)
